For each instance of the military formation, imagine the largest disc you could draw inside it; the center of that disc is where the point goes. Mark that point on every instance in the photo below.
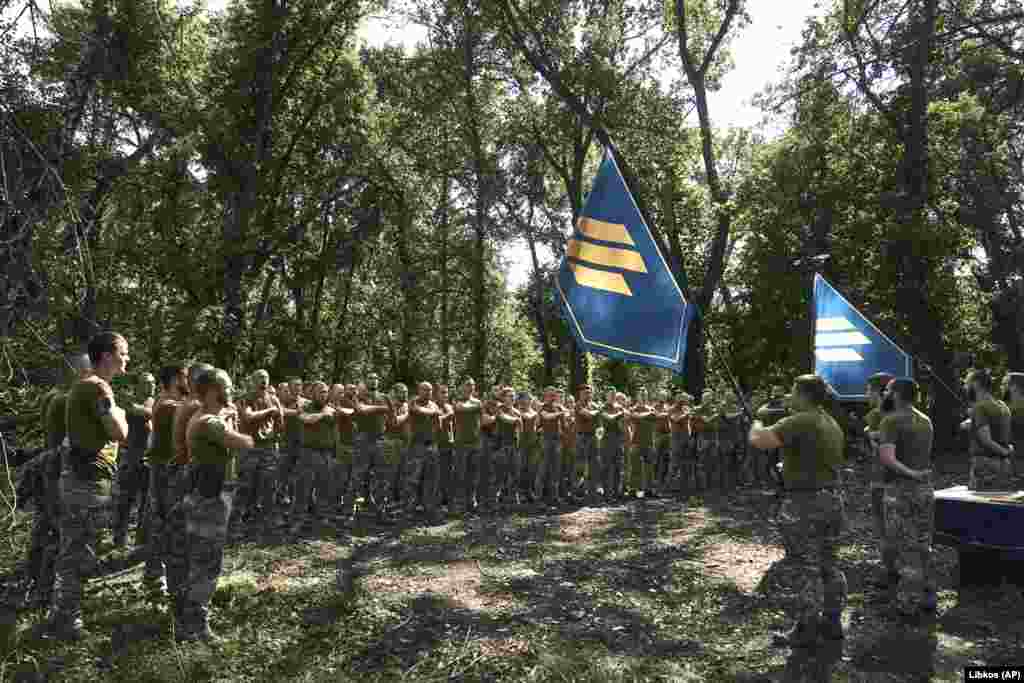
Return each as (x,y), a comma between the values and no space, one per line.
(198,462)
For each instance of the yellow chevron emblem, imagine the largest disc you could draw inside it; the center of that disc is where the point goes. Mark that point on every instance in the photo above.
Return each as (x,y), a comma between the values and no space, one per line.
(609,257)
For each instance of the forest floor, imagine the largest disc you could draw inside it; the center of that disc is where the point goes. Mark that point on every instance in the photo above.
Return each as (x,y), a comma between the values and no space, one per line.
(658,590)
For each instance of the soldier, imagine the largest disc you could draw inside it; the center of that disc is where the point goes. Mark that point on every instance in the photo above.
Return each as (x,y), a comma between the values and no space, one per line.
(468,446)
(662,441)
(875,386)
(571,477)
(552,421)
(485,463)
(399,437)
(730,420)
(207,506)
(262,417)
(1014,397)
(319,449)
(131,473)
(421,463)
(905,451)
(812,512)
(372,410)
(989,426)
(613,418)
(529,445)
(45,540)
(506,458)
(294,406)
(586,440)
(445,446)
(341,471)
(708,447)
(174,389)
(95,426)
(684,462)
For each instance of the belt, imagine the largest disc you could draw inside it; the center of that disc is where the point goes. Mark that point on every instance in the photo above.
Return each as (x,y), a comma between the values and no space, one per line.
(262,444)
(427,442)
(827,487)
(584,434)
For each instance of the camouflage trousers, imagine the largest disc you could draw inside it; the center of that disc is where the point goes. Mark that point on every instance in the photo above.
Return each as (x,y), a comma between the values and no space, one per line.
(663,456)
(878,521)
(505,461)
(909,522)
(991,474)
(641,468)
(258,470)
(366,476)
(421,469)
(810,523)
(530,456)
(483,471)
(166,489)
(613,460)
(446,473)
(86,508)
(131,486)
(683,473)
(570,475)
(341,476)
(465,466)
(45,540)
(206,532)
(313,470)
(549,474)
(588,456)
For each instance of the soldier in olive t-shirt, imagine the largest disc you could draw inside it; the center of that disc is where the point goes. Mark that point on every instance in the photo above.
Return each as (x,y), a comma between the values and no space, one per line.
(812,512)
(989,427)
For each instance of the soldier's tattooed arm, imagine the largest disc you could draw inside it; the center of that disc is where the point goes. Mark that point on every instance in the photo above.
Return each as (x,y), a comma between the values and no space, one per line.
(764,439)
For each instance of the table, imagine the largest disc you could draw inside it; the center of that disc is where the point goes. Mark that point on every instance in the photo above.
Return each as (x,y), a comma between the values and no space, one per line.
(987,529)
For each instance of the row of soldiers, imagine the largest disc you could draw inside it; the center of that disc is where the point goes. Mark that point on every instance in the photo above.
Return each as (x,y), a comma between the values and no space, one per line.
(197,431)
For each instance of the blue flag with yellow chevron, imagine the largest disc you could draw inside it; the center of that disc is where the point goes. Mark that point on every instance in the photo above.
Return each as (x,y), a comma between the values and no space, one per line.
(617,292)
(848,348)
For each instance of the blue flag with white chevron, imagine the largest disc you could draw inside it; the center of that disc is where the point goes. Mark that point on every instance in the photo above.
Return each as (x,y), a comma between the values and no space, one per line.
(848,348)
(618,293)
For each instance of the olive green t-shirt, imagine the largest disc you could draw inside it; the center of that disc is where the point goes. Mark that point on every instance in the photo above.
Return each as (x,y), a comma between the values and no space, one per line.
(206,440)
(611,426)
(373,425)
(507,430)
(529,435)
(162,452)
(813,444)
(182,416)
(911,433)
(422,426)
(996,416)
(319,434)
(873,419)
(446,435)
(346,427)
(644,434)
(292,424)
(264,430)
(56,420)
(87,401)
(467,426)
(1017,423)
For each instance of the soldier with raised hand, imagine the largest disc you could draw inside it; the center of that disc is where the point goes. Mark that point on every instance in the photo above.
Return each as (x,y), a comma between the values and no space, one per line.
(45,540)
(262,418)
(207,506)
(468,411)
(129,486)
(552,422)
(529,445)
(989,425)
(318,452)
(813,510)
(641,460)
(506,458)
(662,441)
(372,411)
(95,426)
(613,454)
(294,406)
(344,492)
(421,463)
(587,447)
(174,390)
(905,452)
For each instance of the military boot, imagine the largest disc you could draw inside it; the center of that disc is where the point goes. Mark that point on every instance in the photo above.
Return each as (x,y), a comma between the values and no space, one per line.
(831,626)
(804,634)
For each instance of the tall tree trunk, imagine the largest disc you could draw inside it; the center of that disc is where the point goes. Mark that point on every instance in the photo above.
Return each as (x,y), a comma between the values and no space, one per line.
(537,304)
(408,285)
(443,229)
(342,346)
